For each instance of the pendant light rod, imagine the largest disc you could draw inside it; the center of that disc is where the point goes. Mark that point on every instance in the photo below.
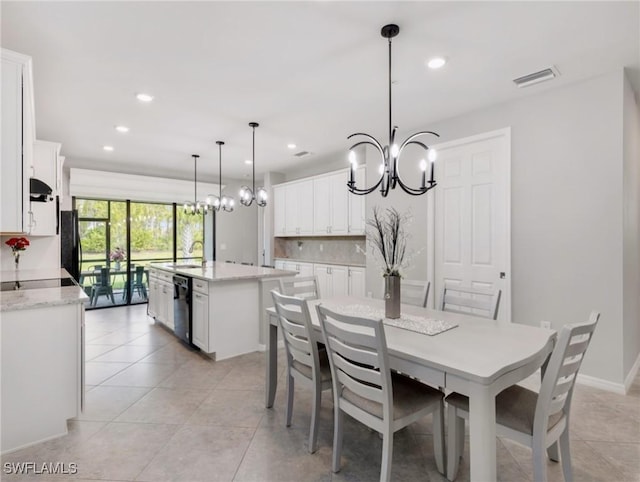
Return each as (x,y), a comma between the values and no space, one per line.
(222,202)
(390,154)
(253,126)
(195,179)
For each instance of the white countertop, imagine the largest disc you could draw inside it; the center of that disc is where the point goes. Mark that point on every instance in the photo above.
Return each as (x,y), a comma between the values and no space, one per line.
(40,297)
(218,271)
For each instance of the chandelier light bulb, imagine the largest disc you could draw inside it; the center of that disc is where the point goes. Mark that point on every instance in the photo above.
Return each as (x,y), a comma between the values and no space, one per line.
(381,169)
(261,197)
(352,157)
(423,165)
(432,155)
(394,150)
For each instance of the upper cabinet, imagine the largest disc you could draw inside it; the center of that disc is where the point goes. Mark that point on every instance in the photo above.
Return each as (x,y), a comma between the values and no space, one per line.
(47,165)
(318,206)
(18,135)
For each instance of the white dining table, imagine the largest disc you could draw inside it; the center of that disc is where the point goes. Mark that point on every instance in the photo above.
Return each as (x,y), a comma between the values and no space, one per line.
(479,358)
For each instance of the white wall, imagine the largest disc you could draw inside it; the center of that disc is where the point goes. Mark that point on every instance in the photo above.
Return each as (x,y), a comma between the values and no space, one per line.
(43,252)
(631,192)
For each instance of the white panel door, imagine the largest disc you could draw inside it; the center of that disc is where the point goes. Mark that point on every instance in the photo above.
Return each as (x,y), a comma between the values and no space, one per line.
(321,205)
(200,321)
(304,202)
(356,206)
(472,228)
(321,271)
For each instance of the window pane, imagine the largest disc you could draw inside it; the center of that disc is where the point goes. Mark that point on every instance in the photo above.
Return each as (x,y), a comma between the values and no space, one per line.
(190,230)
(151,233)
(90,208)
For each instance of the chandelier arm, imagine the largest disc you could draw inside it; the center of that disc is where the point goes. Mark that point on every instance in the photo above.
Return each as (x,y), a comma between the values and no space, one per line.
(416,191)
(373,140)
(351,185)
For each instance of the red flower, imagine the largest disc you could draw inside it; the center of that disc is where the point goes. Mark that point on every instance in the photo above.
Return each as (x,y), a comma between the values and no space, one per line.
(17,244)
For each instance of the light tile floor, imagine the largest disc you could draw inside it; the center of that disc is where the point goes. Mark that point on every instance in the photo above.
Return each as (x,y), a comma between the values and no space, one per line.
(156,411)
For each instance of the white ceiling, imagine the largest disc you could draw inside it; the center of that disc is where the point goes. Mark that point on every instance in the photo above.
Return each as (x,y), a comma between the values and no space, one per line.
(309,72)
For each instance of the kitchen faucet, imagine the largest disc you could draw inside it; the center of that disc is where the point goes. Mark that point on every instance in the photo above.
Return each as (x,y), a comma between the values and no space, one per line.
(204,258)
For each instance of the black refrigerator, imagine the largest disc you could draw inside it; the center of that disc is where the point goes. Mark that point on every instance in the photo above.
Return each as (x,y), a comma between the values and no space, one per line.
(70,246)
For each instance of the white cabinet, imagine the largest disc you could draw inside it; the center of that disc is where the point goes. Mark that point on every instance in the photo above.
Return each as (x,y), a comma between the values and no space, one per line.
(332,280)
(298,208)
(18,134)
(200,321)
(161,297)
(319,206)
(330,204)
(279,264)
(46,168)
(303,269)
(357,222)
(357,282)
(279,214)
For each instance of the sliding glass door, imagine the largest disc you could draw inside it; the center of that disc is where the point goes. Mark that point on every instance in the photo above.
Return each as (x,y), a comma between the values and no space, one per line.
(120,238)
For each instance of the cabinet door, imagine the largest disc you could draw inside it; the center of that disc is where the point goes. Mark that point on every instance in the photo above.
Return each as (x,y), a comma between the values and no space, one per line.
(304,202)
(321,271)
(357,282)
(291,210)
(305,269)
(200,321)
(13,199)
(279,215)
(356,206)
(169,307)
(153,297)
(339,204)
(339,280)
(161,310)
(322,205)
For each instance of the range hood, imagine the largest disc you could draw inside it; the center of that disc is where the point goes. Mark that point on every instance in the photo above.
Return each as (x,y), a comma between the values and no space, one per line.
(39,191)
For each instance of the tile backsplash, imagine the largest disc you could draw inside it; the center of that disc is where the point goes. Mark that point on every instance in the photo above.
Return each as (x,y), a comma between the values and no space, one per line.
(349,250)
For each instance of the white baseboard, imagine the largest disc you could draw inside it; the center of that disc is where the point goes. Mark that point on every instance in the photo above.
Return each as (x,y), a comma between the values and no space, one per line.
(601,384)
(631,376)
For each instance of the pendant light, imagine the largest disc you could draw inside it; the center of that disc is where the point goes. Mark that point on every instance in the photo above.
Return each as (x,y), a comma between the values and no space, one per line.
(248,195)
(197,207)
(226,203)
(390,154)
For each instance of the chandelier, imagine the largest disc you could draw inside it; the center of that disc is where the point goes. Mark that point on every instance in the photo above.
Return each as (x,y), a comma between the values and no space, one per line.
(247,194)
(390,154)
(226,203)
(197,207)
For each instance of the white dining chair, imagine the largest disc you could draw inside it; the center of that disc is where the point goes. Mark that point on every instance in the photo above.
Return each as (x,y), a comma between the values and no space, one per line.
(365,388)
(305,287)
(471,301)
(538,420)
(306,363)
(415,292)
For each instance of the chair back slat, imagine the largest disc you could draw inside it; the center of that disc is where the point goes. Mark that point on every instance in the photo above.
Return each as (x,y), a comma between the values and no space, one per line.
(364,373)
(561,371)
(471,301)
(351,343)
(299,341)
(415,292)
(301,286)
(575,349)
(373,393)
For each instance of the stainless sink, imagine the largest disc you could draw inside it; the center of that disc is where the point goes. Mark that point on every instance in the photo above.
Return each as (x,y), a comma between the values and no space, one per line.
(184,266)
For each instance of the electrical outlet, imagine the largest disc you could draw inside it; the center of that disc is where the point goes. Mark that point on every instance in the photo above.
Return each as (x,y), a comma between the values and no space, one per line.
(545,324)
(223,246)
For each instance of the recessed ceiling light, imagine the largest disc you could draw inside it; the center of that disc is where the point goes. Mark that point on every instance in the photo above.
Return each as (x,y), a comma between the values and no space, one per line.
(144,97)
(436,62)
(108,148)
(122,129)
(291,146)
(248,161)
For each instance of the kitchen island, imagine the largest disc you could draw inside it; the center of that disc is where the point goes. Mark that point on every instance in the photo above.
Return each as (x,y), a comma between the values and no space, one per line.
(227,304)
(41,332)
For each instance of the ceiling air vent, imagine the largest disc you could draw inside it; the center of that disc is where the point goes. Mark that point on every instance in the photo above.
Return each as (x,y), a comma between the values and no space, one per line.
(302,154)
(536,77)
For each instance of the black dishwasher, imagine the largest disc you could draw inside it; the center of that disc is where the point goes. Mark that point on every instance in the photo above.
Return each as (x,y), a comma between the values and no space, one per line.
(182,308)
